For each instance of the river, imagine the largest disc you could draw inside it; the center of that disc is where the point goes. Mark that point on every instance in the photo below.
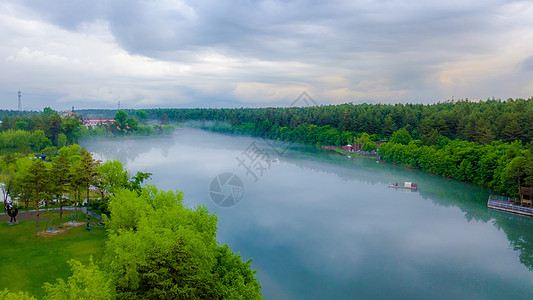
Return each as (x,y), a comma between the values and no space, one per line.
(319,225)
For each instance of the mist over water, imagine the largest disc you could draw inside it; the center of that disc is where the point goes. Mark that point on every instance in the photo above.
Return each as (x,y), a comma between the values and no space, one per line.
(322,226)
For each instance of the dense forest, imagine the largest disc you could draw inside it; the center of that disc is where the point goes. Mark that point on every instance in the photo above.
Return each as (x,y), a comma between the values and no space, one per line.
(487,142)
(481,122)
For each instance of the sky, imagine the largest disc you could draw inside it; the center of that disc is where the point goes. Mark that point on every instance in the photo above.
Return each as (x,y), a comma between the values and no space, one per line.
(171,53)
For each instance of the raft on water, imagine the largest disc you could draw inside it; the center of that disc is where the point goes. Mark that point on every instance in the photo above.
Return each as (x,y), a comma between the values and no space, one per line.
(406,185)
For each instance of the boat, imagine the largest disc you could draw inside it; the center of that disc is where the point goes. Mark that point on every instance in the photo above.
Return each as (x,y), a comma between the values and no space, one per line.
(406,185)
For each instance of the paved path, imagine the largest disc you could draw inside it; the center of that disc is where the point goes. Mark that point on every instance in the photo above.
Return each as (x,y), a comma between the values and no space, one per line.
(80,209)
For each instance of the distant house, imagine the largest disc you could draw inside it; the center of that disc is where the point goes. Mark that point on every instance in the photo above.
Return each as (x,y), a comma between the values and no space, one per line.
(91,124)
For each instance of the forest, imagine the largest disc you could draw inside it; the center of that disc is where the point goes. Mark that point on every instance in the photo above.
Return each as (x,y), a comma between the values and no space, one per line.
(481,122)
(488,142)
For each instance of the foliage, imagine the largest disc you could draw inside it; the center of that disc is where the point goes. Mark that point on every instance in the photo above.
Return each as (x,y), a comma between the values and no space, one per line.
(33,132)
(113,176)
(173,274)
(481,122)
(86,282)
(23,141)
(141,116)
(401,136)
(151,232)
(236,279)
(7,295)
(123,124)
(135,182)
(498,165)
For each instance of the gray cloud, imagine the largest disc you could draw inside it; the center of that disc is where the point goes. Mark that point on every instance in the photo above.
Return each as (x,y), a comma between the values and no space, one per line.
(339,50)
(527,64)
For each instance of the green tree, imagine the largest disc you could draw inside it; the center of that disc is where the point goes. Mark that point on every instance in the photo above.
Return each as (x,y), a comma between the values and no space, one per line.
(113,176)
(401,136)
(512,131)
(236,279)
(388,125)
(59,181)
(72,129)
(37,184)
(172,274)
(160,249)
(132,124)
(142,116)
(86,282)
(120,120)
(87,173)
(61,140)
(7,295)
(123,124)
(168,129)
(22,125)
(135,182)
(39,141)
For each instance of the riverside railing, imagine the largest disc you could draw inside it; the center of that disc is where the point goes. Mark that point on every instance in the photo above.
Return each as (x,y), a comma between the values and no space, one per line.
(506,203)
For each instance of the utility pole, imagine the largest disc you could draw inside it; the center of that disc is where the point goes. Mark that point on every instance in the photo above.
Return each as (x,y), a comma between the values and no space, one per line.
(20,101)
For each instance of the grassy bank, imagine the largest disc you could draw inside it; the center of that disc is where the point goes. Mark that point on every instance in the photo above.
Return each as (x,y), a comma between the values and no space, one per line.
(27,261)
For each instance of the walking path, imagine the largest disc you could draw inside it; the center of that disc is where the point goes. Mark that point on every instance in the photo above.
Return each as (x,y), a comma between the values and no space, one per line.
(80,209)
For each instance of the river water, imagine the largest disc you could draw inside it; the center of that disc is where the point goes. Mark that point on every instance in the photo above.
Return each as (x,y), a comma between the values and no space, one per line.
(319,225)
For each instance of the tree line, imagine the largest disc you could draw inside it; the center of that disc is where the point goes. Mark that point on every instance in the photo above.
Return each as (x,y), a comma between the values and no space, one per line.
(481,122)
(498,165)
(56,129)
(488,142)
(48,131)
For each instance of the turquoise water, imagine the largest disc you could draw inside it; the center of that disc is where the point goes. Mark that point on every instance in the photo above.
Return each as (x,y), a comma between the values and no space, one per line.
(322,226)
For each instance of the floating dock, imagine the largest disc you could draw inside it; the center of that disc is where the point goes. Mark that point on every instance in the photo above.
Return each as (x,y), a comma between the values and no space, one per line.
(508,205)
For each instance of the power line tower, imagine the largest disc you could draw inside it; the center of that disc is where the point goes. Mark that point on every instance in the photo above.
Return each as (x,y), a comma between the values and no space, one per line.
(119,105)
(20,101)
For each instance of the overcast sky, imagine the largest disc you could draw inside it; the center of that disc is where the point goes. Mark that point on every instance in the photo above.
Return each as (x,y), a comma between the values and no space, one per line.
(92,54)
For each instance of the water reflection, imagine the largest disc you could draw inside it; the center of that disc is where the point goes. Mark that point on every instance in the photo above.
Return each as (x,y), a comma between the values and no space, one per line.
(322,226)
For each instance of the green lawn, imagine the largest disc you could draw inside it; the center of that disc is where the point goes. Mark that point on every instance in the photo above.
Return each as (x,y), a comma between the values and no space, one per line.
(27,261)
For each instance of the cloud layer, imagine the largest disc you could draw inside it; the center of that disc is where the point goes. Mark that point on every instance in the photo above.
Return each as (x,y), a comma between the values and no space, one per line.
(255,53)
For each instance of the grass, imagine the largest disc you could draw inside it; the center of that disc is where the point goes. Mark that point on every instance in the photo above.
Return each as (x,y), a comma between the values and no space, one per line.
(27,261)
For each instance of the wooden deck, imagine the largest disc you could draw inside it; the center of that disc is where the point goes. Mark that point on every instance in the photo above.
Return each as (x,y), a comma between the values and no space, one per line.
(500,203)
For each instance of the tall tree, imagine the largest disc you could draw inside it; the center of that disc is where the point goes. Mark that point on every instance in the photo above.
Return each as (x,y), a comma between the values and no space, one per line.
(87,173)
(37,184)
(142,116)
(59,180)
